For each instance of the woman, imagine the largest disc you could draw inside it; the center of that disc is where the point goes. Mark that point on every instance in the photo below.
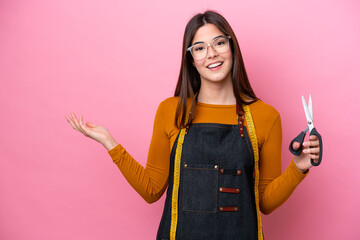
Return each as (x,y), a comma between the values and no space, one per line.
(215,144)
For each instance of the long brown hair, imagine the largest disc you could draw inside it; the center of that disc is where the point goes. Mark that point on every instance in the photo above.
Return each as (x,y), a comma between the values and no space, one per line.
(189,79)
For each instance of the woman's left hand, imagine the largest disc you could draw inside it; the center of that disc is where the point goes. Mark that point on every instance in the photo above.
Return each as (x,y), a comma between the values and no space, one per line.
(303,162)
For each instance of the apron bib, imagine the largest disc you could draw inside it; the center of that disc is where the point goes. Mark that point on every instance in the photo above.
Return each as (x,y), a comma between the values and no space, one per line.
(214,185)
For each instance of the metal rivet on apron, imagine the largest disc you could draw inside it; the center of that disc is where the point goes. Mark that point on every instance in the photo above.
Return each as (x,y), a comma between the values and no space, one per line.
(220,189)
(238,172)
(221,170)
(185,165)
(238,190)
(242,135)
(221,209)
(216,166)
(235,208)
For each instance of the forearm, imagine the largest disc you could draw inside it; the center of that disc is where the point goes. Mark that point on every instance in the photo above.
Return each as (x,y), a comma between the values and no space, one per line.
(274,192)
(148,182)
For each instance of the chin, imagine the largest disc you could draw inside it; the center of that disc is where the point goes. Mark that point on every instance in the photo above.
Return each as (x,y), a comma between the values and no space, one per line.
(220,77)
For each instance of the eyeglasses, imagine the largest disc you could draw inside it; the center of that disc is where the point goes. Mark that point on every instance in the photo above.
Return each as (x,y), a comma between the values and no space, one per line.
(220,44)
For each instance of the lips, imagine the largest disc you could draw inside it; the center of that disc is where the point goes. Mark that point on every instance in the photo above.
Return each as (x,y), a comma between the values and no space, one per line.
(214,65)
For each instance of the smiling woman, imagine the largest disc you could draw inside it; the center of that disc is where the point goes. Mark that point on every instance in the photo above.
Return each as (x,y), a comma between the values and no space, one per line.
(215,145)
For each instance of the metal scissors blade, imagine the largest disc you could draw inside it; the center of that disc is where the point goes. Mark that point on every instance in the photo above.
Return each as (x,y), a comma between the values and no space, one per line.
(310,107)
(308,112)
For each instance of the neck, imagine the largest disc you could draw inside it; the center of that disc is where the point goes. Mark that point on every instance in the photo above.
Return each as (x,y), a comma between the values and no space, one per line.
(220,93)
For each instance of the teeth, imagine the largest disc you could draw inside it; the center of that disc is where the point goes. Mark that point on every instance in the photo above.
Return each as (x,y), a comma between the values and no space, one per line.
(214,65)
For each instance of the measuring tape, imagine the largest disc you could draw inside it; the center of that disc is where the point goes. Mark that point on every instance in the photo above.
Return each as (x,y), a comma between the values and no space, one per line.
(175,190)
(253,139)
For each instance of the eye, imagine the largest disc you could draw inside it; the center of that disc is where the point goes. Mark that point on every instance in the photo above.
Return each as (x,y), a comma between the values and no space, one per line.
(220,43)
(198,48)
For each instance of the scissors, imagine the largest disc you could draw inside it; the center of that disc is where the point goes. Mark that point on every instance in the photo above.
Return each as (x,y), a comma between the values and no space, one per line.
(310,127)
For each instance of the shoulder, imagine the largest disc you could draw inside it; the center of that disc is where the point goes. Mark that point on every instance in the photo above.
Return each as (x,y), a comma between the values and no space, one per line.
(166,117)
(170,102)
(262,110)
(168,106)
(167,109)
(266,118)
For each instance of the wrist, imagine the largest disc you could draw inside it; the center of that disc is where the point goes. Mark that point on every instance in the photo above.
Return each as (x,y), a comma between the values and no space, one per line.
(110,144)
(297,165)
(303,171)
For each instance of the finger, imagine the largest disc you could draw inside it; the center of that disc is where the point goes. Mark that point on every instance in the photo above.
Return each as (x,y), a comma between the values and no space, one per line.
(314,157)
(315,160)
(313,143)
(90,124)
(68,119)
(84,129)
(78,124)
(73,116)
(314,150)
(76,121)
(72,124)
(313,137)
(296,145)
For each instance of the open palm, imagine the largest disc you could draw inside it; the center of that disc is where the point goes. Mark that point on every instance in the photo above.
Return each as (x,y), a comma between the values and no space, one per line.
(91,130)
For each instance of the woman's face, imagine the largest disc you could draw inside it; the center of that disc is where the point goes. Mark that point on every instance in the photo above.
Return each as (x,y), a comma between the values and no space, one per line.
(215,67)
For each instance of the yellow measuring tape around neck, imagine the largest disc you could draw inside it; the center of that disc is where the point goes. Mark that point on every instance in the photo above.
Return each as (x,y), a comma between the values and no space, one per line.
(175,190)
(254,144)
(177,162)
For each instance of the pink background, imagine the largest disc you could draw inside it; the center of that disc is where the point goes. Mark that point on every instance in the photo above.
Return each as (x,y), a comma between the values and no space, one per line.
(114,61)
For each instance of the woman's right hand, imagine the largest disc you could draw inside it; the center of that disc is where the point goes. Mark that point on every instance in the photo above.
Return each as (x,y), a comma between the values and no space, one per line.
(91,130)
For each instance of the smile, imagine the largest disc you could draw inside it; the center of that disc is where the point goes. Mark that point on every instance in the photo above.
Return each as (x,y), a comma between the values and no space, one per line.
(214,65)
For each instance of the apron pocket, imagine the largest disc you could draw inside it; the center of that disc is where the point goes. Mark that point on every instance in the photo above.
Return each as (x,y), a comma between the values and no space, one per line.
(200,187)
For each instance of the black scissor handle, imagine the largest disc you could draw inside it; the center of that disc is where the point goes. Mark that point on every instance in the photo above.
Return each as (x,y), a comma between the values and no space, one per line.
(314,132)
(299,139)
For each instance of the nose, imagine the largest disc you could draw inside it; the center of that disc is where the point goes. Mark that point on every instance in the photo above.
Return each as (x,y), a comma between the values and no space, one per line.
(211,52)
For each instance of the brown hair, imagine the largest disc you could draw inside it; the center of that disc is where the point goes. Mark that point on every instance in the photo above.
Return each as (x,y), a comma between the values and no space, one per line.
(189,79)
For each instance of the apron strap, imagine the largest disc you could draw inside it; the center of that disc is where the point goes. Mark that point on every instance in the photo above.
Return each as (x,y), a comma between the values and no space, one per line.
(240,118)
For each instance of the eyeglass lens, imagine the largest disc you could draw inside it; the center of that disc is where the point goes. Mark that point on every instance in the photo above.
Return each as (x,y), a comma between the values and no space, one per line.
(220,45)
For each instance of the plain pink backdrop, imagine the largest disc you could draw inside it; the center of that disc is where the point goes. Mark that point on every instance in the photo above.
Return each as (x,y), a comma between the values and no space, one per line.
(115,61)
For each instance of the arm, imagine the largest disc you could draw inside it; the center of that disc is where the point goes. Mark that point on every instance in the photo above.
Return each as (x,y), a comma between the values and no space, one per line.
(275,187)
(149,182)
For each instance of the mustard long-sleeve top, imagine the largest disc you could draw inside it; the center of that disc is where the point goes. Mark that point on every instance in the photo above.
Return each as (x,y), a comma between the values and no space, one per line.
(151,182)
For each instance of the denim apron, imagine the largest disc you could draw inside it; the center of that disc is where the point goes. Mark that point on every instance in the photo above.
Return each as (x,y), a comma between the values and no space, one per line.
(215,197)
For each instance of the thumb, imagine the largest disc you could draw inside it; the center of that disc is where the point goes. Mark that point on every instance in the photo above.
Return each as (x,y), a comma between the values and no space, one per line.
(90,124)
(296,145)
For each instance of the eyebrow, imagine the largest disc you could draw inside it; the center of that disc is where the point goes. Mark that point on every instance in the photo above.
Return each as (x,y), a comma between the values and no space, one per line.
(211,40)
